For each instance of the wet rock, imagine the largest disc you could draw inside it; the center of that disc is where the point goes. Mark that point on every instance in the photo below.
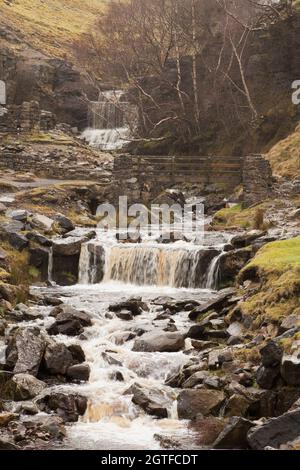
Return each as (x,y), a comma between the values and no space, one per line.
(33,431)
(69,321)
(152,401)
(276,431)
(57,359)
(231,263)
(196,332)
(290,370)
(193,402)
(222,301)
(3,326)
(23,387)
(77,353)
(159,342)
(25,350)
(125,315)
(79,372)
(27,408)
(68,406)
(136,307)
(111,360)
(234,436)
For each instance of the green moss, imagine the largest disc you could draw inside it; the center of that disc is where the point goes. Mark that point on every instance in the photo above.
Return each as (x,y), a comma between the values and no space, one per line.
(277,268)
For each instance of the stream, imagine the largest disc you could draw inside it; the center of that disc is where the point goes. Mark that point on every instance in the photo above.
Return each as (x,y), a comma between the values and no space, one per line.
(112,421)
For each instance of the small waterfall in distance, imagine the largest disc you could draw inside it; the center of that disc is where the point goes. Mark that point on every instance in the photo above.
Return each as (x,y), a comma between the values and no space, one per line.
(110,121)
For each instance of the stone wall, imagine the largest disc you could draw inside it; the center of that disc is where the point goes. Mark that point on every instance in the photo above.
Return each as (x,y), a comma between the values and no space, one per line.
(257,179)
(25,118)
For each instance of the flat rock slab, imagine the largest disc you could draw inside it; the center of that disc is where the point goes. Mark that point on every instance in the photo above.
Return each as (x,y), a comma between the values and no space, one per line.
(159,342)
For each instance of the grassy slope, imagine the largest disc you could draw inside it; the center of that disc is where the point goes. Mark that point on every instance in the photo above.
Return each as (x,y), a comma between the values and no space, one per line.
(50,26)
(278,267)
(285,155)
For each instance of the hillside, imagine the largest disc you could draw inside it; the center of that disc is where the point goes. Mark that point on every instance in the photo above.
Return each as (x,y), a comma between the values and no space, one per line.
(49,26)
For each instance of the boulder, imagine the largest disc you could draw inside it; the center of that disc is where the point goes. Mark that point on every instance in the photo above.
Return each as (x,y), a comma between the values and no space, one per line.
(69,246)
(290,370)
(196,332)
(18,214)
(190,403)
(25,350)
(42,222)
(17,241)
(79,372)
(231,263)
(23,387)
(234,436)
(241,241)
(271,354)
(68,406)
(206,429)
(57,359)
(39,239)
(276,431)
(77,353)
(39,258)
(224,299)
(152,401)
(65,225)
(159,341)
(136,307)
(266,377)
(69,321)
(125,315)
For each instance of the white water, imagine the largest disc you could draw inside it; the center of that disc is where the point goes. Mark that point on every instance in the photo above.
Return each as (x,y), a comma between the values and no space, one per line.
(112,421)
(180,264)
(111,121)
(107,139)
(148,270)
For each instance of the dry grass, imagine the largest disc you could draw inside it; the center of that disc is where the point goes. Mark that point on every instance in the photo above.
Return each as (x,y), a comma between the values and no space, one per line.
(50,26)
(285,155)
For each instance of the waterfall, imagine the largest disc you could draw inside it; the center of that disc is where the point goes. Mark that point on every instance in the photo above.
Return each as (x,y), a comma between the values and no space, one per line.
(91,264)
(110,120)
(156,265)
(213,272)
(50,265)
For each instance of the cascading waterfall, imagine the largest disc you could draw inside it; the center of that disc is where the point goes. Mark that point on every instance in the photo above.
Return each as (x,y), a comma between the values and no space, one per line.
(50,265)
(214,273)
(109,119)
(148,264)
